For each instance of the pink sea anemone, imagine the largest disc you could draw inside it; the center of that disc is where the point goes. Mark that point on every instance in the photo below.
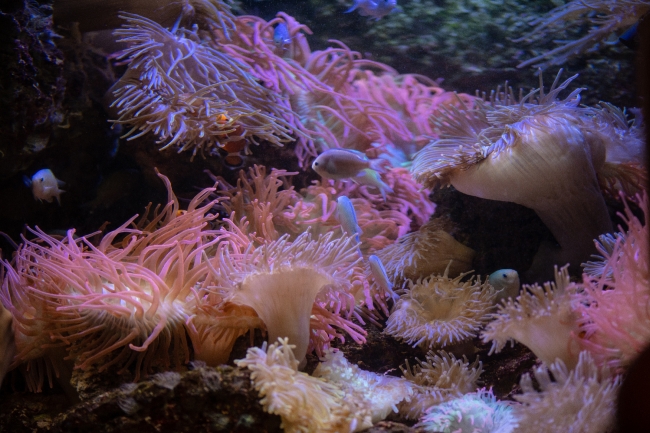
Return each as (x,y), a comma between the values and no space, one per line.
(121,303)
(614,318)
(190,95)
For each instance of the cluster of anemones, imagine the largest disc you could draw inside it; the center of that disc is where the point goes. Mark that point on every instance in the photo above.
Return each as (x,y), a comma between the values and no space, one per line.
(131,299)
(237,84)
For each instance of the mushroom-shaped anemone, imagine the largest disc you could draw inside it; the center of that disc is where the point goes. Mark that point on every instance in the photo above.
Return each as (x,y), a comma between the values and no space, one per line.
(439,311)
(297,288)
(537,152)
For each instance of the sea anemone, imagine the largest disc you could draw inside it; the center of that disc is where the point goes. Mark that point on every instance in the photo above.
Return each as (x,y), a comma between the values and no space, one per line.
(188,94)
(306,404)
(438,311)
(539,153)
(382,392)
(579,400)
(297,288)
(614,318)
(541,318)
(476,412)
(441,377)
(118,303)
(129,300)
(428,251)
(7,344)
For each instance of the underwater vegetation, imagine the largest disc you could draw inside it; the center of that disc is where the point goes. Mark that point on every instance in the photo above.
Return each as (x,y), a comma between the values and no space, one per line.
(301,265)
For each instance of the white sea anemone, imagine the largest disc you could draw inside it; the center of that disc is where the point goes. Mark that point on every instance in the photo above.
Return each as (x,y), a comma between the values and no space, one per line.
(581,400)
(476,412)
(439,378)
(440,311)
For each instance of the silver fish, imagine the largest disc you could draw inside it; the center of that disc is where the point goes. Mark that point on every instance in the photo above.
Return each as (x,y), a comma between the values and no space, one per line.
(351,164)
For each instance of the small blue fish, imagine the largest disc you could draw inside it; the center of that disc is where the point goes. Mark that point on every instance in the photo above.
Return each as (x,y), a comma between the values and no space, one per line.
(374,8)
(281,36)
(505,283)
(348,217)
(351,164)
(381,277)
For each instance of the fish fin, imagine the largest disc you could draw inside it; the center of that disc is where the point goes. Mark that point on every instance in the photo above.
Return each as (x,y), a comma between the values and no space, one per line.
(353,8)
(371,177)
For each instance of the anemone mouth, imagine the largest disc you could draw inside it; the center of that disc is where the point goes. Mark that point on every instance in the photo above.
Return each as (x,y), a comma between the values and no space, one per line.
(439,311)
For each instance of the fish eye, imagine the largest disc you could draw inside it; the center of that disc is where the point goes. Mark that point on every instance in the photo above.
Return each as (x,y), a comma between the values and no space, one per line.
(315,163)
(505,276)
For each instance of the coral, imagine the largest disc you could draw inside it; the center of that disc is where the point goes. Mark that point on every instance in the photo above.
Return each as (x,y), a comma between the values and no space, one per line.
(440,311)
(477,412)
(604,16)
(428,251)
(441,377)
(536,151)
(580,400)
(541,318)
(612,305)
(305,403)
(188,94)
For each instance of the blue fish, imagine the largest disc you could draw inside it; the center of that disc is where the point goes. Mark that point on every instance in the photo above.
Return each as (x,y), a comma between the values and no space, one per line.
(381,277)
(281,36)
(348,217)
(374,8)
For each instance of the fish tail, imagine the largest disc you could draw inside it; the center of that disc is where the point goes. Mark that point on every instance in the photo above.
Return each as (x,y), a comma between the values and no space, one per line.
(371,177)
(353,8)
